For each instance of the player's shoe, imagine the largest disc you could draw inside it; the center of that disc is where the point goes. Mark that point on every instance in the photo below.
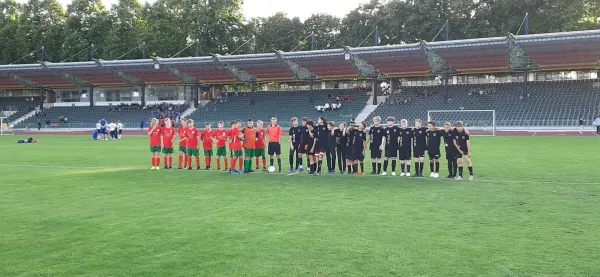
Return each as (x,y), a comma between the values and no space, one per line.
(393,173)
(383,173)
(373,172)
(436,175)
(449,177)
(152,168)
(471,178)
(166,167)
(407,174)
(198,168)
(432,175)
(363,174)
(233,172)
(458,178)
(290,170)
(157,168)
(402,174)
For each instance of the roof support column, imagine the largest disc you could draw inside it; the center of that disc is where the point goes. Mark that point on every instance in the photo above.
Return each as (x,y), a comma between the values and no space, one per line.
(196,95)
(446,88)
(91,95)
(312,88)
(525,83)
(393,85)
(252,90)
(42,94)
(143,95)
(374,89)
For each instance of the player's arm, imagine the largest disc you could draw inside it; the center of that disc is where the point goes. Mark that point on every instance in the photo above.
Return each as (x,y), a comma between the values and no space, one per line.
(383,141)
(468,146)
(152,130)
(365,143)
(456,145)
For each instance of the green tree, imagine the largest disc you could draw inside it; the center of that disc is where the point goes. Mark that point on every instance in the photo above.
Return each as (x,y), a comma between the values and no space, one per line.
(278,32)
(126,34)
(42,23)
(358,26)
(325,27)
(9,24)
(88,23)
(167,33)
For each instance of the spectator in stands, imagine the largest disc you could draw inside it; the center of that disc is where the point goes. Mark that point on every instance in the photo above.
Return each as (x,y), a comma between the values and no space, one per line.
(327,107)
(40,125)
(142,125)
(48,123)
(597,124)
(581,122)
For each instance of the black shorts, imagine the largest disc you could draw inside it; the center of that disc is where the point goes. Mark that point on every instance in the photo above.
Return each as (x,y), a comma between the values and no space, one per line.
(433,155)
(404,154)
(274,148)
(458,155)
(302,148)
(391,152)
(120,132)
(418,152)
(376,153)
(320,149)
(356,154)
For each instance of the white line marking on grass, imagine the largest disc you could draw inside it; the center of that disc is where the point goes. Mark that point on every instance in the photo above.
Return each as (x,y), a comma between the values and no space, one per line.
(286,174)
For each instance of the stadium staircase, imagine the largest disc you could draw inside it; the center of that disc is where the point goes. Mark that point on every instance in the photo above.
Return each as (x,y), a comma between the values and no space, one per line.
(188,111)
(550,104)
(19,106)
(23,118)
(369,108)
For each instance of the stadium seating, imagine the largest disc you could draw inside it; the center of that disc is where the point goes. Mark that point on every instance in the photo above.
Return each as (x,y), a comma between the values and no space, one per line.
(87,117)
(549,103)
(22,105)
(283,104)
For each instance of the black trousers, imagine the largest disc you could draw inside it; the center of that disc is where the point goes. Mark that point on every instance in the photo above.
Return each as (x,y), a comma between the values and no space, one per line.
(341,157)
(598,129)
(330,153)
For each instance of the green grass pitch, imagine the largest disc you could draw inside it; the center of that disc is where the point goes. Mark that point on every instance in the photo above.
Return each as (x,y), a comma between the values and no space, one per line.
(70,206)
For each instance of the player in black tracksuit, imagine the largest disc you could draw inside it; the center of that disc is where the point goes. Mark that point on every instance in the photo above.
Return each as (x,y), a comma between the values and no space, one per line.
(349,137)
(341,147)
(375,139)
(321,142)
(390,140)
(405,147)
(359,141)
(295,140)
(434,139)
(451,151)
(419,147)
(311,142)
(463,145)
(305,139)
(331,147)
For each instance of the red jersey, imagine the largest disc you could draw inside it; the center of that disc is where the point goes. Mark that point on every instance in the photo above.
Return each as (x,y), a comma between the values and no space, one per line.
(191,135)
(155,136)
(260,141)
(181,132)
(249,138)
(221,136)
(167,135)
(207,139)
(236,143)
(274,133)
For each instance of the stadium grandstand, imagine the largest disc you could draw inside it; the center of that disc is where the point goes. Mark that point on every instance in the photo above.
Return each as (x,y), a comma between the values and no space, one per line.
(531,81)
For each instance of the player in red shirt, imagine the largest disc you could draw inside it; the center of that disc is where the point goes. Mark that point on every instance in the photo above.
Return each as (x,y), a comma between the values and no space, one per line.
(154,132)
(275,132)
(182,150)
(235,136)
(168,137)
(207,143)
(191,143)
(260,146)
(221,135)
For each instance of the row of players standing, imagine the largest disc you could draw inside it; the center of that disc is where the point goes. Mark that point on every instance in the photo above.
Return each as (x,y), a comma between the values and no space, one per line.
(390,143)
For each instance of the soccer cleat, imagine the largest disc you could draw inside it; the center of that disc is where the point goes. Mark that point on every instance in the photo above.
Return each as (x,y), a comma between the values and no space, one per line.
(234,172)
(383,173)
(218,169)
(189,168)
(471,178)
(373,173)
(449,177)
(152,168)
(157,168)
(458,178)
(363,174)
(407,174)
(393,173)
(355,173)
(436,175)
(432,175)
(166,167)
(198,168)
(290,170)
(402,174)
(179,168)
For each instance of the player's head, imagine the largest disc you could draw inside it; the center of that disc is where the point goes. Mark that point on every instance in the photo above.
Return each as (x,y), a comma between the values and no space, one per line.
(190,123)
(304,121)
(233,123)
(431,125)
(207,126)
(390,121)
(310,124)
(221,124)
(404,123)
(418,123)
(330,125)
(362,126)
(250,123)
(460,126)
(447,126)
(377,120)
(238,124)
(259,123)
(322,121)
(273,120)
(294,121)
(154,122)
(183,122)
(168,123)
(342,125)
(351,125)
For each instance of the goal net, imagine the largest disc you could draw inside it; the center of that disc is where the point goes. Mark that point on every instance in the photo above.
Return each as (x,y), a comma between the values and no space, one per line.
(478,122)
(5,127)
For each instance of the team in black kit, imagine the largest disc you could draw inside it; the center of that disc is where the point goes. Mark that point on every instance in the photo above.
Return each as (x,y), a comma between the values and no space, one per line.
(346,145)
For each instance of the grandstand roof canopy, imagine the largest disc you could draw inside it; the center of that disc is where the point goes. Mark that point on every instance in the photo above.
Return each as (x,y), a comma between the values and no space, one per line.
(555,51)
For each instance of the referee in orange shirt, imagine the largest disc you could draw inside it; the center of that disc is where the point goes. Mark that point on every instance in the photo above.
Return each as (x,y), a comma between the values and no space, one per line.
(275,132)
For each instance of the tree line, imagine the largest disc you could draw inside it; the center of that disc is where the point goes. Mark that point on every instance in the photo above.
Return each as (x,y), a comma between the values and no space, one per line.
(168,26)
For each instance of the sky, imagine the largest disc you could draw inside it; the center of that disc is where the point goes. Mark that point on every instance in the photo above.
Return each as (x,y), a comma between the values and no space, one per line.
(293,8)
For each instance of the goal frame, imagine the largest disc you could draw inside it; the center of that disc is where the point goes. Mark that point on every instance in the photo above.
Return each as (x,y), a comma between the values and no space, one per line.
(474,128)
(5,123)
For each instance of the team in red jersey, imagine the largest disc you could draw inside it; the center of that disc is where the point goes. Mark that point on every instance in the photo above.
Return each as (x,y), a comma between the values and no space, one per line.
(192,135)
(235,145)
(222,136)
(207,144)
(154,132)
(168,137)
(260,146)
(181,133)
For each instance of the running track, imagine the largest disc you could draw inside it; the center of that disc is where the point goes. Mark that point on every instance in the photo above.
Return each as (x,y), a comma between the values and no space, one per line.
(502,134)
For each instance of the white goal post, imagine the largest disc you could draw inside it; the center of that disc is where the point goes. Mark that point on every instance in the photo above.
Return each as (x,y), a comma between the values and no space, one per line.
(5,128)
(478,122)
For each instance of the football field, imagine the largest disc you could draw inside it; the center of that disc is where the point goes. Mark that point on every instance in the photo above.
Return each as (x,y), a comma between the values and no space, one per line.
(71,206)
